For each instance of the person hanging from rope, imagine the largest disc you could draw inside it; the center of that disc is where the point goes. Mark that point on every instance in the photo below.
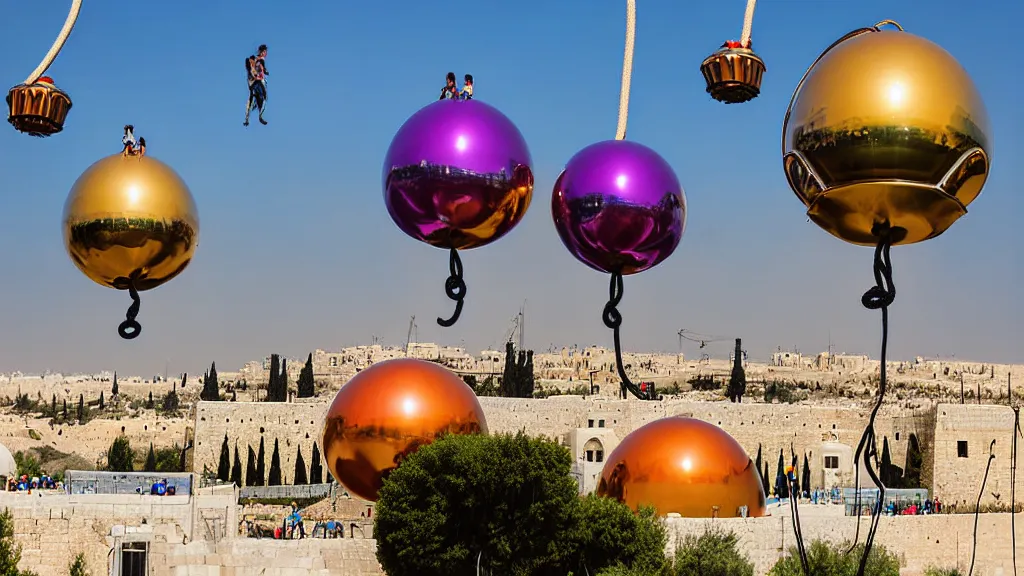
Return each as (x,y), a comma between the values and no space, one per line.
(449,91)
(250,72)
(467,89)
(128,140)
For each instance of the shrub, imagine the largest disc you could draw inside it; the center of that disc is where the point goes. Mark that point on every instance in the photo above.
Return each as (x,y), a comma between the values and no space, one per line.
(833,559)
(713,553)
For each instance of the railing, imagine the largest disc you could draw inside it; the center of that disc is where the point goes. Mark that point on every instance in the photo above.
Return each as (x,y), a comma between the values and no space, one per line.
(307,491)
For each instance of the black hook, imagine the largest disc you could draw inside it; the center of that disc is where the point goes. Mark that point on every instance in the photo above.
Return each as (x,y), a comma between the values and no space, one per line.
(454,288)
(613,320)
(130,328)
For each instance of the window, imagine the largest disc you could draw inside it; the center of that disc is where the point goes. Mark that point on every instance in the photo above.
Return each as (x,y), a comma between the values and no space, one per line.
(961,448)
(600,423)
(590,455)
(832,462)
(334,361)
(134,558)
(599,456)
(590,423)
(897,435)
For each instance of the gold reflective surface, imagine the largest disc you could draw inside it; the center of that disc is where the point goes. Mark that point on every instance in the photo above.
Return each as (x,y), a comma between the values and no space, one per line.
(733,75)
(130,219)
(686,466)
(389,410)
(39,109)
(886,131)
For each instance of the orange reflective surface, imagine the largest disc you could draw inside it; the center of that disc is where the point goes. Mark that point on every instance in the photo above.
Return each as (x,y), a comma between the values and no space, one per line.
(389,410)
(686,466)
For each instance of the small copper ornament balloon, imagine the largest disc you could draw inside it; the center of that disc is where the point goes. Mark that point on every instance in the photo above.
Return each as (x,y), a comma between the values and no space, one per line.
(733,73)
(386,412)
(130,223)
(886,136)
(684,466)
(36,106)
(457,175)
(618,207)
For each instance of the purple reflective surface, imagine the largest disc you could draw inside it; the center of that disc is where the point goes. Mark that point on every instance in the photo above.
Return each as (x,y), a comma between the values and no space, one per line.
(618,206)
(457,175)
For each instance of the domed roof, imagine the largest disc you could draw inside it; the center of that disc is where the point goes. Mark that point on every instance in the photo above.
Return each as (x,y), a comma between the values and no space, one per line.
(7,465)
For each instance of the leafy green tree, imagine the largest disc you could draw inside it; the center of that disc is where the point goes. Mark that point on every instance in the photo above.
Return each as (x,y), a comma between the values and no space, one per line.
(934,571)
(306,386)
(150,465)
(236,469)
(120,456)
(713,553)
(171,402)
(224,466)
(316,470)
(832,559)
(611,534)
(113,388)
(10,549)
(299,478)
(274,477)
(77,567)
(261,470)
(250,469)
(524,506)
(169,459)
(28,465)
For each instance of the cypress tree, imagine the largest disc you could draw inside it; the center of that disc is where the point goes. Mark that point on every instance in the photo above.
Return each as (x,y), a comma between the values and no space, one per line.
(274,478)
(738,379)
(807,475)
(300,469)
(65,409)
(282,383)
(316,471)
(102,403)
(53,406)
(781,483)
(224,466)
(81,408)
(113,388)
(211,387)
(306,386)
(275,375)
(757,461)
(149,403)
(261,470)
(886,466)
(150,460)
(236,469)
(250,470)
(764,480)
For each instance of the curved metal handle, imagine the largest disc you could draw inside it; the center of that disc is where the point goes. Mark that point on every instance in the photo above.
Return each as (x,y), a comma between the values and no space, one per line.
(848,36)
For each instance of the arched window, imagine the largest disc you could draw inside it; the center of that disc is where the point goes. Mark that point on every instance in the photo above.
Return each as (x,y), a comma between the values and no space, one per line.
(594,450)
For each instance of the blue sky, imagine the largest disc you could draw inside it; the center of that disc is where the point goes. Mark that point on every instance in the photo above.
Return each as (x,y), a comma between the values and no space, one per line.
(297,250)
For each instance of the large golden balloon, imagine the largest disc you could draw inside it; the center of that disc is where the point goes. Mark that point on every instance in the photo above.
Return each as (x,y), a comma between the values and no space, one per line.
(886,137)
(130,223)
(685,466)
(389,410)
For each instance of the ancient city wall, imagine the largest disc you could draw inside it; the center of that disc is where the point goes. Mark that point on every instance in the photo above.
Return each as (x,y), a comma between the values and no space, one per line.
(963,435)
(251,557)
(774,427)
(943,540)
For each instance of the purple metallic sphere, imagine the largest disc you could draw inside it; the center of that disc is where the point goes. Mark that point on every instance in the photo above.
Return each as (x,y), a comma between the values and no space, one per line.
(618,207)
(457,175)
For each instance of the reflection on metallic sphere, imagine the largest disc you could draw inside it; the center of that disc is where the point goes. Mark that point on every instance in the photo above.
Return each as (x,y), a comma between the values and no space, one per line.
(130,220)
(389,410)
(686,466)
(618,207)
(886,131)
(457,175)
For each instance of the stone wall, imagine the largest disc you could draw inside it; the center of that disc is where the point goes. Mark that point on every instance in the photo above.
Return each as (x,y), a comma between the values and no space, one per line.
(963,434)
(774,427)
(943,540)
(250,557)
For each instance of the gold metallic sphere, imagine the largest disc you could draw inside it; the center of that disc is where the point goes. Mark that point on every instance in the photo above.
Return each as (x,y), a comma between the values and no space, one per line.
(39,109)
(733,74)
(130,220)
(686,466)
(389,410)
(886,135)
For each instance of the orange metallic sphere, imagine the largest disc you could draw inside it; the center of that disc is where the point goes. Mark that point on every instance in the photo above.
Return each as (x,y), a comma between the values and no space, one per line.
(389,410)
(686,466)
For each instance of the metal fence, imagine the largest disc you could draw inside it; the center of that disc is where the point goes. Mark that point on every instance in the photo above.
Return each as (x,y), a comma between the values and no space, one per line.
(93,482)
(900,497)
(308,491)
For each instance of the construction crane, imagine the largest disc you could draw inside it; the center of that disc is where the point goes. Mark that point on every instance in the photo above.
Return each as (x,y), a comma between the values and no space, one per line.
(408,337)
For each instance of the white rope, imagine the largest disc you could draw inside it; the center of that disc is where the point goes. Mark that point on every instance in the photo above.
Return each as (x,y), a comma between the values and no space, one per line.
(627,69)
(748,23)
(69,24)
